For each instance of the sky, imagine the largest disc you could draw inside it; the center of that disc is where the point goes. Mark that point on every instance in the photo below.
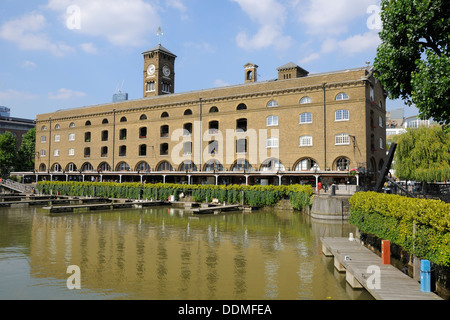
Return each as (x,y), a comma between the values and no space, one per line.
(59,54)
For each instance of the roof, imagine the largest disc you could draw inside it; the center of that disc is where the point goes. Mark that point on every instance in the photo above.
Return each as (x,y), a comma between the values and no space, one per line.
(291,65)
(159,47)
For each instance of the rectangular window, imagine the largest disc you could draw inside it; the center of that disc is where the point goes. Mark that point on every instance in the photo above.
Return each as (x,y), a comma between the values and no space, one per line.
(342,139)
(187,148)
(272,121)
(71,152)
(56,153)
(342,115)
(241,146)
(57,138)
(306,141)
(150,86)
(43,153)
(44,139)
(306,117)
(380,122)
(272,143)
(72,137)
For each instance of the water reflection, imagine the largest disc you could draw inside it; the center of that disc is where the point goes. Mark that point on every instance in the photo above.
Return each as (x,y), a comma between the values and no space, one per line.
(164,253)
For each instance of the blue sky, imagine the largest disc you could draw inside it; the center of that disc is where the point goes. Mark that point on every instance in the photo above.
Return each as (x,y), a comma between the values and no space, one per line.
(58,54)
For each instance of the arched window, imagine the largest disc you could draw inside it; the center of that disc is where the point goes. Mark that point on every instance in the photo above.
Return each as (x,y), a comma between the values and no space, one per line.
(164,166)
(241,106)
(104,166)
(72,125)
(44,128)
(87,167)
(105,121)
(213,110)
(241,165)
(71,167)
(213,165)
(272,164)
(42,168)
(123,166)
(56,167)
(306,117)
(143,117)
(188,112)
(342,96)
(272,103)
(187,165)
(164,115)
(307,164)
(143,166)
(342,164)
(123,119)
(57,127)
(88,123)
(305,100)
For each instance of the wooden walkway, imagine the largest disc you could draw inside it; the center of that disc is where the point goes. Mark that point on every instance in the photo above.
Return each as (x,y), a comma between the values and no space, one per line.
(215,209)
(359,262)
(103,206)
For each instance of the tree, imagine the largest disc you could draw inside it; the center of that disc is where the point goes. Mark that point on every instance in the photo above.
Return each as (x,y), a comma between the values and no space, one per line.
(7,153)
(423,154)
(26,152)
(413,59)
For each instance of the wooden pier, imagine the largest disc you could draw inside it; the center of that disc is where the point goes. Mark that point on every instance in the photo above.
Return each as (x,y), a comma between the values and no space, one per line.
(360,265)
(216,209)
(103,206)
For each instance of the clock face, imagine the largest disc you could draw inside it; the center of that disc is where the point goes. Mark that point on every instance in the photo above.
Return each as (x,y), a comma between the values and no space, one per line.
(151,70)
(166,71)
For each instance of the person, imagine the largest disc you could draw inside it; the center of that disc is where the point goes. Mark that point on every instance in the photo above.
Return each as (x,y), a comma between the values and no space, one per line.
(319,186)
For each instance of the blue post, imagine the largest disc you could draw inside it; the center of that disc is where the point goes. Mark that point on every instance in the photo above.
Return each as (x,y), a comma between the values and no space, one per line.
(425,276)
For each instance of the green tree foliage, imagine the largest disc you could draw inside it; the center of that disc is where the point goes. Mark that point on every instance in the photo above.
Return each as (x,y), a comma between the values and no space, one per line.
(26,152)
(413,59)
(7,153)
(423,154)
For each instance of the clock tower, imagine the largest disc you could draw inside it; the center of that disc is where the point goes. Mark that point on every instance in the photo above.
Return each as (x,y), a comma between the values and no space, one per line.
(159,72)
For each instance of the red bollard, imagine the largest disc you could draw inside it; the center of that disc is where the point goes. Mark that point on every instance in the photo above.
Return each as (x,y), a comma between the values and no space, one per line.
(386,252)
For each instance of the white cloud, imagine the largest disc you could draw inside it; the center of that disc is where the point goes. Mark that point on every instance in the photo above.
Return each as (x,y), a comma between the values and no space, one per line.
(325,17)
(11,94)
(65,94)
(360,43)
(121,22)
(27,33)
(309,58)
(178,5)
(271,17)
(220,83)
(28,64)
(89,48)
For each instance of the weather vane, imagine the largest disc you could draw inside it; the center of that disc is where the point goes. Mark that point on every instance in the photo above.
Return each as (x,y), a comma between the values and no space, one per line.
(159,34)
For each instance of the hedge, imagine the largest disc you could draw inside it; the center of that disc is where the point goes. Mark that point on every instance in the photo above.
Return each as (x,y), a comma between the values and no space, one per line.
(300,196)
(393,217)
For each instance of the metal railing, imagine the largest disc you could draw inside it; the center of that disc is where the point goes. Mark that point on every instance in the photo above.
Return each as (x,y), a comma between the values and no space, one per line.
(16,186)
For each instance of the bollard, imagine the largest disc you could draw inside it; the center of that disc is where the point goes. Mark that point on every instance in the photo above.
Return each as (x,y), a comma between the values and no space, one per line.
(425,276)
(386,252)
(333,189)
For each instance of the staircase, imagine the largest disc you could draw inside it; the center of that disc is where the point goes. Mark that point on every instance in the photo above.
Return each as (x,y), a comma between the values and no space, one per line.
(16,186)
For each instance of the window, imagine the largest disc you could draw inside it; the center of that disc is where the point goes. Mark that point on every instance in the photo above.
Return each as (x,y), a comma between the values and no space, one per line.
(56,153)
(342,164)
(164,131)
(123,119)
(123,166)
(272,165)
(187,129)
(188,166)
(87,152)
(241,146)
(105,135)
(164,115)
(104,152)
(143,133)
(371,94)
(150,86)
(213,127)
(104,167)
(71,152)
(305,100)
(241,165)
(341,115)
(87,167)
(272,143)
(164,149)
(122,151)
(166,87)
(241,125)
(123,134)
(272,121)
(306,117)
(213,165)
(272,103)
(342,139)
(143,166)
(57,127)
(188,112)
(380,122)
(241,106)
(142,150)
(72,125)
(342,96)
(43,153)
(187,148)
(44,128)
(143,117)
(71,167)
(88,123)
(381,143)
(87,137)
(43,139)
(213,110)
(307,164)
(165,166)
(306,141)
(72,137)
(56,167)
(57,138)
(213,147)
(105,121)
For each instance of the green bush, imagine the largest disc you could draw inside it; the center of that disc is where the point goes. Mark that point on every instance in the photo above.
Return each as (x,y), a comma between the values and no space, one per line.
(300,195)
(393,218)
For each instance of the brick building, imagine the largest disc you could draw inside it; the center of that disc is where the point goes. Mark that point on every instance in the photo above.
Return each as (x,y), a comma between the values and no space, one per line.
(296,128)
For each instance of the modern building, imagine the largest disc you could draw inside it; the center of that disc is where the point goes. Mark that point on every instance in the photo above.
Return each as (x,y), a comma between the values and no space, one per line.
(17,126)
(297,128)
